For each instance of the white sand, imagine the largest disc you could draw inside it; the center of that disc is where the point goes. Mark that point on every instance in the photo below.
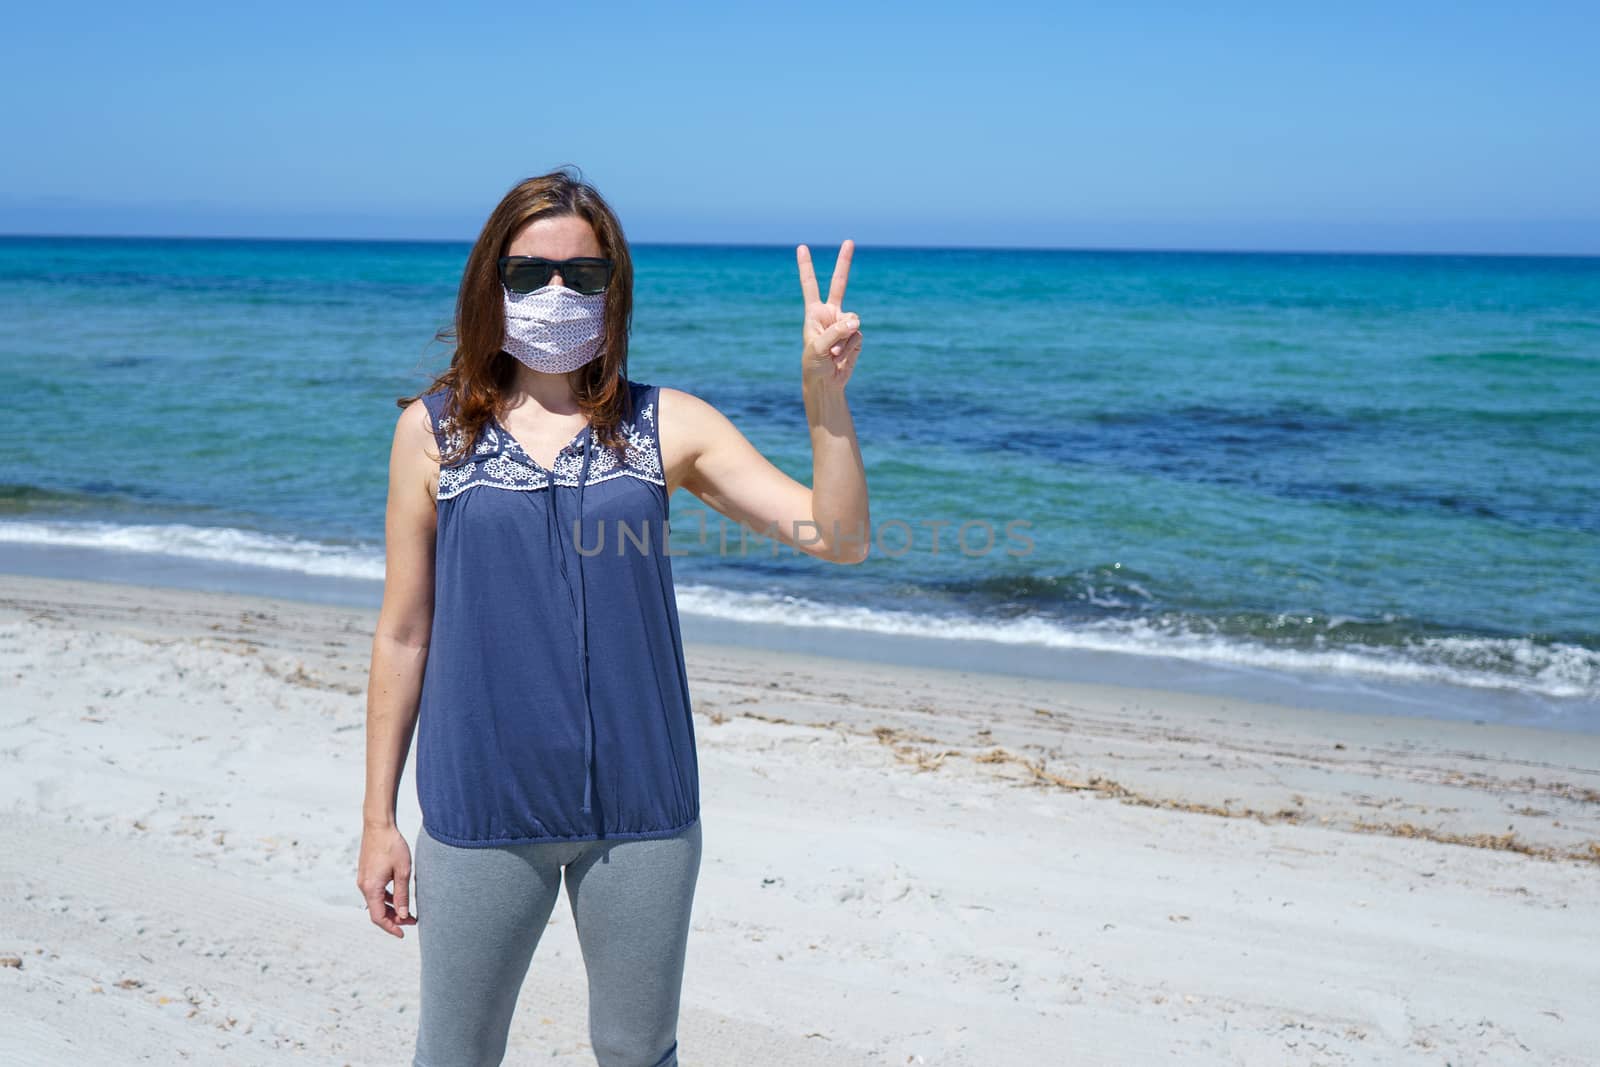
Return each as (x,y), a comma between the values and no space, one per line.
(181,779)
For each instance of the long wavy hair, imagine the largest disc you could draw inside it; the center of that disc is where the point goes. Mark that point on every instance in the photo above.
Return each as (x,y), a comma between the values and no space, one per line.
(481,372)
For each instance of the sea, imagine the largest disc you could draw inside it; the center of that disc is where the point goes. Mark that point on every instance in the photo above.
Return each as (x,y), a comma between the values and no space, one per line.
(1366,482)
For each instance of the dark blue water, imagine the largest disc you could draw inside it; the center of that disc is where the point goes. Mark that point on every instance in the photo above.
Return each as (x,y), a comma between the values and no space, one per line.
(1374,466)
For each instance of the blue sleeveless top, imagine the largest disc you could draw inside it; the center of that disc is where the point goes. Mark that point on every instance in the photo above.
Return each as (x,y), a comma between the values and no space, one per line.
(555,702)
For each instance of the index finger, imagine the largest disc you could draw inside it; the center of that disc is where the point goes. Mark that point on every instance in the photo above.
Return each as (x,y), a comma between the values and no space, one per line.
(841,273)
(808,276)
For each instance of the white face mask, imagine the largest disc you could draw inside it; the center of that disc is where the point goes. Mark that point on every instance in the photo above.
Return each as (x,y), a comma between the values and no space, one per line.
(554,329)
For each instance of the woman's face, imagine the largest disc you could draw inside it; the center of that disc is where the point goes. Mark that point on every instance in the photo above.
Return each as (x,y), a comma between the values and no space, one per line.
(561,237)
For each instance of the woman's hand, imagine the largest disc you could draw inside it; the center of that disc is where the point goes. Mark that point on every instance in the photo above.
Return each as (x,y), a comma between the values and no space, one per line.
(832,336)
(386,857)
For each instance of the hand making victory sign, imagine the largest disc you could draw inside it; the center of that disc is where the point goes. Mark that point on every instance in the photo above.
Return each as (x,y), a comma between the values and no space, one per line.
(832,336)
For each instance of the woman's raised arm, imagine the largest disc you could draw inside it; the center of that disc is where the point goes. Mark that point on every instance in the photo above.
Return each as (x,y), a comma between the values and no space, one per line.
(708,455)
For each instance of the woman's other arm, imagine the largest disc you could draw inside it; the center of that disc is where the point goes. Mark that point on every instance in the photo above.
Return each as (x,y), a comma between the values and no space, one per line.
(399,653)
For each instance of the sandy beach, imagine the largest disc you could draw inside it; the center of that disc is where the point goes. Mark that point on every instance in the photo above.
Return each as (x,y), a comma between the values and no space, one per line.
(901,866)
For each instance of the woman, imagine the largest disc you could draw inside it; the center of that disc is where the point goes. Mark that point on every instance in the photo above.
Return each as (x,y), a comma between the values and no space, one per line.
(529,630)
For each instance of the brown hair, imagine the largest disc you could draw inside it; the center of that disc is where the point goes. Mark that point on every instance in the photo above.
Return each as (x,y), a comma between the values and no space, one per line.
(480,373)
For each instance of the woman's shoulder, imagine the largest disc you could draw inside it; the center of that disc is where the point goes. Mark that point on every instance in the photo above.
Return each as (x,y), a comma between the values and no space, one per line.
(666,394)
(678,403)
(643,398)
(430,417)
(436,398)
(436,402)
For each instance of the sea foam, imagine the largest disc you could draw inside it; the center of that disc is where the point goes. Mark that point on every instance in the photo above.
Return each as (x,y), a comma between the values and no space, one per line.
(221,544)
(1549,669)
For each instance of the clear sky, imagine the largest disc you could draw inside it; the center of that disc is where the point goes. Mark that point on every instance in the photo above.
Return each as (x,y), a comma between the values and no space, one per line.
(1387,126)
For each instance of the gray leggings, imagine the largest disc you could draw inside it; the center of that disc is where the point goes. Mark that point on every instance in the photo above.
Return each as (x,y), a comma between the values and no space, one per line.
(480,912)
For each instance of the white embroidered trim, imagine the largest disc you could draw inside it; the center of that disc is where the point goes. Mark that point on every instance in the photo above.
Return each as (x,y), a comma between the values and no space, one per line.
(500,462)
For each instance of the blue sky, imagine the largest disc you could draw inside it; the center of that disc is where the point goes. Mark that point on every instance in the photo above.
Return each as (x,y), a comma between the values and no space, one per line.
(1391,127)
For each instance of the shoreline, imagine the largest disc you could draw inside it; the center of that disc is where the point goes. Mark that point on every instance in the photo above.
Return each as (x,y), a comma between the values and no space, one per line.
(1340,691)
(900,862)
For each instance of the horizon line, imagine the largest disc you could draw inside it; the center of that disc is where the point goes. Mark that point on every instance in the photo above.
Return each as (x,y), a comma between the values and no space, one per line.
(1095,249)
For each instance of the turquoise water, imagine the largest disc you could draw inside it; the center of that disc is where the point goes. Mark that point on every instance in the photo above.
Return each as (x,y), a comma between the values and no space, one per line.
(1370,466)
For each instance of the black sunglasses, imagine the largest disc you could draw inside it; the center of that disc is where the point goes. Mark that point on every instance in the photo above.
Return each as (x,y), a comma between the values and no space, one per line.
(524,274)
